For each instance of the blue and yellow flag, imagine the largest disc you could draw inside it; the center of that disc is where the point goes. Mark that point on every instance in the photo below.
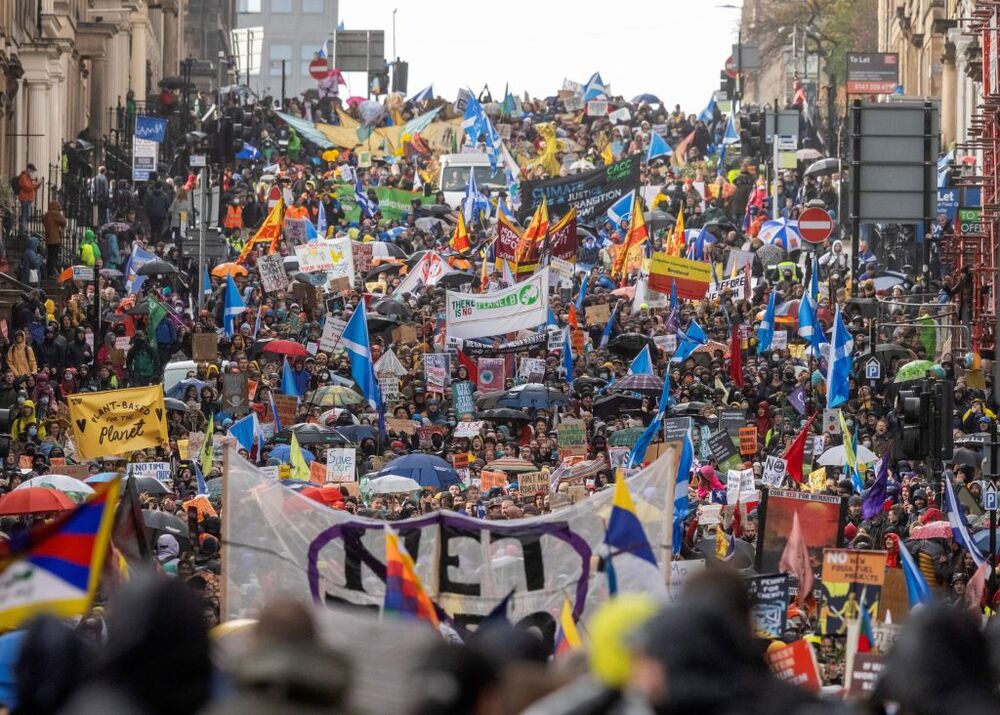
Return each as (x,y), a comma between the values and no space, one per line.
(630,555)
(56,567)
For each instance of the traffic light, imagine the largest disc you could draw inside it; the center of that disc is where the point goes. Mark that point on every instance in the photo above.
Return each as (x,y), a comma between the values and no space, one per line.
(924,416)
(400,70)
(752,133)
(727,84)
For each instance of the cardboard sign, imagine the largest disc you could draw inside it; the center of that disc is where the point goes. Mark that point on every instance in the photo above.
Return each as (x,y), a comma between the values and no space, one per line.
(236,393)
(598,314)
(404,334)
(850,566)
(769,595)
(748,440)
(780,340)
(272,273)
(491,480)
(680,573)
(467,429)
(333,328)
(204,347)
(288,407)
(796,664)
(317,472)
(532,482)
(396,424)
(571,436)
(774,471)
(341,464)
(389,386)
(307,295)
(578,341)
(865,673)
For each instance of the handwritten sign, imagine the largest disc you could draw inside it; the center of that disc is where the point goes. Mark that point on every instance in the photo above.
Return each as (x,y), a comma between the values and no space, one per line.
(160,471)
(774,471)
(397,424)
(491,480)
(288,407)
(272,273)
(533,482)
(204,347)
(571,437)
(468,429)
(461,398)
(748,440)
(341,464)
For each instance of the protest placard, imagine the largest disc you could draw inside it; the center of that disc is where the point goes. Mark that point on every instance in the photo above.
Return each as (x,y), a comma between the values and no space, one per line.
(204,346)
(571,437)
(780,340)
(598,314)
(467,429)
(490,480)
(461,398)
(748,440)
(287,406)
(235,393)
(160,471)
(774,471)
(361,253)
(272,273)
(116,422)
(531,369)
(389,386)
(769,596)
(530,483)
(397,424)
(796,664)
(333,328)
(340,464)
(680,573)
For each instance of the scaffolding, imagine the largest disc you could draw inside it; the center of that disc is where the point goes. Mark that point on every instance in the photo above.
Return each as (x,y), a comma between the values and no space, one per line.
(976,252)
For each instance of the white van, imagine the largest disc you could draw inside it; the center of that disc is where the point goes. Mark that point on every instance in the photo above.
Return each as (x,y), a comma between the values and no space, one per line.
(454,176)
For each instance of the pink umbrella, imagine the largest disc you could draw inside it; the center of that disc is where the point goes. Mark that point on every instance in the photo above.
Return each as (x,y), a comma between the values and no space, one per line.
(627,291)
(931,530)
(351,101)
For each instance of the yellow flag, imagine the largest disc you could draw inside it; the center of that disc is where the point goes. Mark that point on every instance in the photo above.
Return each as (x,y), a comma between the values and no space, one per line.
(269,231)
(117,422)
(208,446)
(300,470)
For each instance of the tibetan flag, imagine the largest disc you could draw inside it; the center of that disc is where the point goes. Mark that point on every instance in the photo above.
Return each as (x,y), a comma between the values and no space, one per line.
(635,565)
(567,637)
(404,594)
(55,568)
(460,239)
(269,232)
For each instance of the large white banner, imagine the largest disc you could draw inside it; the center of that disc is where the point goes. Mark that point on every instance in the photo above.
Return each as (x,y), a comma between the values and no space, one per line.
(283,544)
(479,315)
(333,256)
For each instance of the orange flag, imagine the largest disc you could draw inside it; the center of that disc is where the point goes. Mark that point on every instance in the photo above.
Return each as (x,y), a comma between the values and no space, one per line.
(460,239)
(269,232)
(637,235)
(529,247)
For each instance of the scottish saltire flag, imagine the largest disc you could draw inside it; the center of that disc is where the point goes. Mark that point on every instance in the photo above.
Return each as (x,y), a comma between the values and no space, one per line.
(233,306)
(567,356)
(366,205)
(199,478)
(642,364)
(765,333)
(288,384)
(478,126)
(312,234)
(206,280)
(583,291)
(274,412)
(609,328)
(630,557)
(246,431)
(959,525)
(838,372)
(423,95)
(474,203)
(708,112)
(621,210)
(257,323)
(917,590)
(682,504)
(657,147)
(140,257)
(567,638)
(730,136)
(688,341)
(55,567)
(404,594)
(594,88)
(355,341)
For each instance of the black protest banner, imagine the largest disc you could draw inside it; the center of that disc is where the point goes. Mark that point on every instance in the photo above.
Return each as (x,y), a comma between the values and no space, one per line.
(591,193)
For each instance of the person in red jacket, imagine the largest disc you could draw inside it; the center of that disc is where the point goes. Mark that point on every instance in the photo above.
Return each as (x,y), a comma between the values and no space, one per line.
(28,184)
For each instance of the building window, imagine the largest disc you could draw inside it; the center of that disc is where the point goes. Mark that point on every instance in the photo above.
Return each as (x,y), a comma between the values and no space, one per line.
(249,6)
(281,5)
(316,7)
(277,53)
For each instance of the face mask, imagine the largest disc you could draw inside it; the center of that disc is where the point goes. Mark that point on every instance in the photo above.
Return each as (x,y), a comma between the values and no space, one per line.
(32,431)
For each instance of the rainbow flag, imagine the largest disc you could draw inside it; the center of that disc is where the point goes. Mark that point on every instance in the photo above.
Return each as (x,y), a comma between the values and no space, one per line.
(567,637)
(56,567)
(404,594)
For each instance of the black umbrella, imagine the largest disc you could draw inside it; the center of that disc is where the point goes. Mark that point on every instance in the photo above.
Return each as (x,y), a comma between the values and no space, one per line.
(356,433)
(172,403)
(456,279)
(504,414)
(308,433)
(659,219)
(415,258)
(393,309)
(630,344)
(384,268)
(150,485)
(586,382)
(619,402)
(532,396)
(160,522)
(393,250)
(689,408)
(157,268)
(824,167)
(434,210)
(174,83)
(380,323)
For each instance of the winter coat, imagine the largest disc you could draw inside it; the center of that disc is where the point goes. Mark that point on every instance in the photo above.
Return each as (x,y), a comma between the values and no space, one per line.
(54,221)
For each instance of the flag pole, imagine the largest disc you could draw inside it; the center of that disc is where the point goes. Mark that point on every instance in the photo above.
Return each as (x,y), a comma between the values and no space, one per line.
(224,527)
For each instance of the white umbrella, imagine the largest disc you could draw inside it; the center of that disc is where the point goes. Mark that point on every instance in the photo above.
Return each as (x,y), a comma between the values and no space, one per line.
(837,457)
(60,482)
(392,484)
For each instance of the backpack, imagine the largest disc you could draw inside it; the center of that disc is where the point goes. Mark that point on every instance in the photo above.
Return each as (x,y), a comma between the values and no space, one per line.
(15,181)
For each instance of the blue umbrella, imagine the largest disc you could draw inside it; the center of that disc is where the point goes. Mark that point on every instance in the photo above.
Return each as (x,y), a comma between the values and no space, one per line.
(532,396)
(10,650)
(781,232)
(356,433)
(283,453)
(425,469)
(646,99)
(101,478)
(178,390)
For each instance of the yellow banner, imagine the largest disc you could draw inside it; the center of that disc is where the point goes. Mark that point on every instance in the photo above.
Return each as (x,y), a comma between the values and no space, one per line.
(118,421)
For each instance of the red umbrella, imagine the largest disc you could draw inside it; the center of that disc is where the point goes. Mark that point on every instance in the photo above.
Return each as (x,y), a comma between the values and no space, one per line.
(328,495)
(351,101)
(286,347)
(34,500)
